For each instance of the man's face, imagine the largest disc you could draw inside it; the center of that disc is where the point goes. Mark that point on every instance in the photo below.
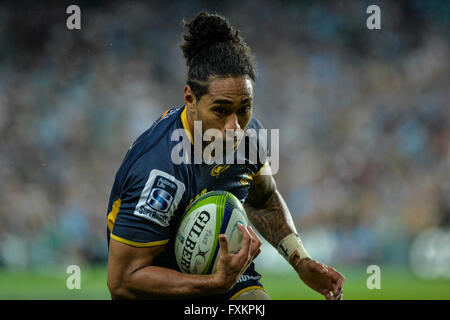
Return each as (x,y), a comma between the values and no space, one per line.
(227,105)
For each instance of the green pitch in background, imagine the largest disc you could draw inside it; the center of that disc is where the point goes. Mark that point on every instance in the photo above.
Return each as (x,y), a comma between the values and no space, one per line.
(396,283)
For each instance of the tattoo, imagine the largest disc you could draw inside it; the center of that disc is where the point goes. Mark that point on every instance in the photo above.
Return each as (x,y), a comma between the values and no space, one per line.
(268,212)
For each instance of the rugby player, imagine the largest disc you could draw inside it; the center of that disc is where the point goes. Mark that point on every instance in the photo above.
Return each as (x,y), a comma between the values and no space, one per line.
(141,223)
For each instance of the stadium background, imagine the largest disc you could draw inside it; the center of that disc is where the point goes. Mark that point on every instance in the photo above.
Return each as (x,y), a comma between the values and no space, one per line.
(364,134)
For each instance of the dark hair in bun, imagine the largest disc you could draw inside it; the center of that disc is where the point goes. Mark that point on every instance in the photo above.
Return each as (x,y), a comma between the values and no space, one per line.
(212,47)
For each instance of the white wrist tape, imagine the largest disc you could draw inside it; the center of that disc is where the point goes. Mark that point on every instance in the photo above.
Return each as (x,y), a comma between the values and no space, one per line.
(291,248)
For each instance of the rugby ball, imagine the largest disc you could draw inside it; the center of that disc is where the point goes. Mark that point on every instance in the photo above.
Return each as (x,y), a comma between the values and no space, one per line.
(197,238)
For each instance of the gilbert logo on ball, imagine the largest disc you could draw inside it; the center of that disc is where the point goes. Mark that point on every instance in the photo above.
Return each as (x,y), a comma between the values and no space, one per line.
(196,242)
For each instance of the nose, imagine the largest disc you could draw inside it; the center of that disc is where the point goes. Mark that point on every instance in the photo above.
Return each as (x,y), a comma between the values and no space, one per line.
(232,123)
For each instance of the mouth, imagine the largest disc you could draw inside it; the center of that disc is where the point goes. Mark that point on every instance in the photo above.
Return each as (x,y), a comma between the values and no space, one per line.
(231,141)
(233,136)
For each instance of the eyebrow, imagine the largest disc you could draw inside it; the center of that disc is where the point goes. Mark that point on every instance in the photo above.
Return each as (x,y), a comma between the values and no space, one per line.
(229,102)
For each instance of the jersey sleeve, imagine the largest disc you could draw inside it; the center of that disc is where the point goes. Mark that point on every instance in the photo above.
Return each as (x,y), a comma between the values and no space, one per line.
(149,198)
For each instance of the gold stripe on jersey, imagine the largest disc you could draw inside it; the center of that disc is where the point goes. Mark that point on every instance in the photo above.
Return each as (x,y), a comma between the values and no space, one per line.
(138,244)
(237,294)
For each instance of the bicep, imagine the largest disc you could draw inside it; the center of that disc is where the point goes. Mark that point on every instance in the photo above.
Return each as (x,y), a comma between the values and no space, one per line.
(139,222)
(267,211)
(261,187)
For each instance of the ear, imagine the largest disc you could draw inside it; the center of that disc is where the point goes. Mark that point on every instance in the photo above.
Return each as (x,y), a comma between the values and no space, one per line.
(189,99)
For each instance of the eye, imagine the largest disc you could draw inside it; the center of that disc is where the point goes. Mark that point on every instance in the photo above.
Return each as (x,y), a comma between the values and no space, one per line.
(244,110)
(219,111)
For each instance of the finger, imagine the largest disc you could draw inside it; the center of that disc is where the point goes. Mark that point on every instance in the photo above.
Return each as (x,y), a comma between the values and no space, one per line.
(257,254)
(246,243)
(337,280)
(339,284)
(319,267)
(335,296)
(339,296)
(253,233)
(340,275)
(334,274)
(223,244)
(327,294)
(336,289)
(256,241)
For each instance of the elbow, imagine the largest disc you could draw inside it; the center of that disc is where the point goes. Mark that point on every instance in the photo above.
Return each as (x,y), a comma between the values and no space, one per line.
(119,290)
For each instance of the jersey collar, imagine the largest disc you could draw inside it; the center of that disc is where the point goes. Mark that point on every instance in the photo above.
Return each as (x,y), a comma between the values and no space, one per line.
(186,124)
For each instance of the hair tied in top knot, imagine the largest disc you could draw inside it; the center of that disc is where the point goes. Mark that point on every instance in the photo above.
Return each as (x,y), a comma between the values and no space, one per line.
(206,30)
(213,48)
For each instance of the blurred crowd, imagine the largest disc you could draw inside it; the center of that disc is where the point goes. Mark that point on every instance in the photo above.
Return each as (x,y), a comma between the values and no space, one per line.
(364,118)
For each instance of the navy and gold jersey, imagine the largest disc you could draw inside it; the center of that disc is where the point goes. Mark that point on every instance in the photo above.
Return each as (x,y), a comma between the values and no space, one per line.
(151,192)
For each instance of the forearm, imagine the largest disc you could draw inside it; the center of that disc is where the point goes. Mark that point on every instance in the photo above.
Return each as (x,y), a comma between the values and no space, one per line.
(157,282)
(271,218)
(132,275)
(269,214)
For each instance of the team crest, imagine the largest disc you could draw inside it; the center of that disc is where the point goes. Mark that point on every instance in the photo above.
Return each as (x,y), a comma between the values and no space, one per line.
(218,169)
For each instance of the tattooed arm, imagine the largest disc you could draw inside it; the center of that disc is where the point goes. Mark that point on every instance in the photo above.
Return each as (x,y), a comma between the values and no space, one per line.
(267,210)
(269,214)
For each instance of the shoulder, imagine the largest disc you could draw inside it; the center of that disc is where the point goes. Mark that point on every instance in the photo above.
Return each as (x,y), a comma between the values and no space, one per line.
(160,130)
(150,185)
(150,151)
(255,124)
(257,133)
(153,147)
(257,143)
